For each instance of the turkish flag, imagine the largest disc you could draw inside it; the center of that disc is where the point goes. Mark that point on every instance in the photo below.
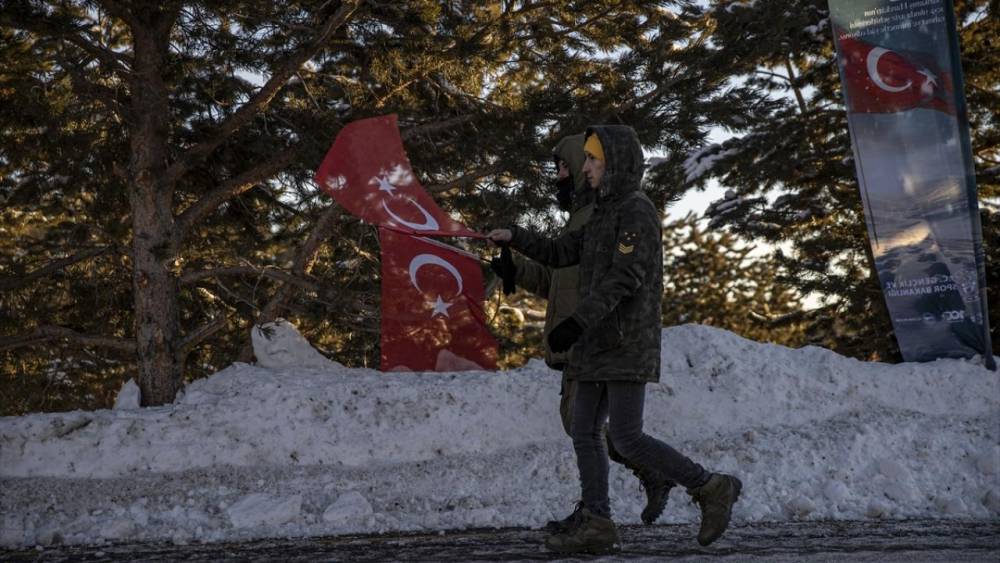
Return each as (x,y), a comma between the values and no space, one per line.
(367,171)
(432,307)
(881,80)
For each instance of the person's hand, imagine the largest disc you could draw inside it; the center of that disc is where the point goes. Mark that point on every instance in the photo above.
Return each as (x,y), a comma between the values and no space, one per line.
(564,335)
(500,236)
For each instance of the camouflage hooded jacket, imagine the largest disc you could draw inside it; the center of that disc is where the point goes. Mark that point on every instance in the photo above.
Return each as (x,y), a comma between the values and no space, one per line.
(620,255)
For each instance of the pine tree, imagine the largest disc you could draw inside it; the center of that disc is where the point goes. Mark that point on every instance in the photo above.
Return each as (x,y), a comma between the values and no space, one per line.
(715,279)
(157,157)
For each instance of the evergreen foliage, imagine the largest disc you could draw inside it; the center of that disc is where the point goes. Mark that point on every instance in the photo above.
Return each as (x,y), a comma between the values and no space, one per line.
(789,167)
(713,278)
(156,159)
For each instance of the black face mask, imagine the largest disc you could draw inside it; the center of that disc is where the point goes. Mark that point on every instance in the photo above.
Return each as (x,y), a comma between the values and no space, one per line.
(564,193)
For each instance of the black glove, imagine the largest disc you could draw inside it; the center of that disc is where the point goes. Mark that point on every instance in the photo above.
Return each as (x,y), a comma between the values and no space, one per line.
(505,269)
(564,335)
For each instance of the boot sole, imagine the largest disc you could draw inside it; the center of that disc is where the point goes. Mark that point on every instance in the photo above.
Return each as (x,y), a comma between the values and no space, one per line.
(591,550)
(555,529)
(737,489)
(649,519)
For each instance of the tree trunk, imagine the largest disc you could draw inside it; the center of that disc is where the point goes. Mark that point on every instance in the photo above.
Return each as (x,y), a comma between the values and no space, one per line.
(155,288)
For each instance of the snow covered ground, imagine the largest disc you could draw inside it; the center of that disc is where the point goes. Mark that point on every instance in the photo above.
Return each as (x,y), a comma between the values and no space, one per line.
(299,445)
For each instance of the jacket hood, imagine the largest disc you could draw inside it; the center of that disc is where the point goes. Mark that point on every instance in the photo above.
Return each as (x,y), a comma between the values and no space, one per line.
(623,160)
(570,150)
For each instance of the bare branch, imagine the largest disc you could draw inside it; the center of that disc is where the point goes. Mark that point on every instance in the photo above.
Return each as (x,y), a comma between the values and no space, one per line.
(791,81)
(14,342)
(263,97)
(304,260)
(324,227)
(988,176)
(226,191)
(116,9)
(55,266)
(114,62)
(196,337)
(789,318)
(467,179)
(48,333)
(191,278)
(427,128)
(647,97)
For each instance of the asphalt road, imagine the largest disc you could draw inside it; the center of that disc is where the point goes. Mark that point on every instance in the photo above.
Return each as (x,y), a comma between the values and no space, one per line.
(883,541)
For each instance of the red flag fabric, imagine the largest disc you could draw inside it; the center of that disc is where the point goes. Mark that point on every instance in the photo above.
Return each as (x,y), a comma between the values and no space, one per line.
(367,171)
(432,307)
(881,80)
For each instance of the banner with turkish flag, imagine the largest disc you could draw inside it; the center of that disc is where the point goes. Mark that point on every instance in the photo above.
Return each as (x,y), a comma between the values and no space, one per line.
(367,171)
(432,307)
(879,80)
(902,84)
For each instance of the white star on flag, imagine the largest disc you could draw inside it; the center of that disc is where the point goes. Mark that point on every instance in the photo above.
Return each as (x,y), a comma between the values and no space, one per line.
(441,308)
(384,185)
(930,81)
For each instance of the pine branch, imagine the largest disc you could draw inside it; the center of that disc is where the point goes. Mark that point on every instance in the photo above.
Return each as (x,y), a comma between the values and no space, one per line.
(89,89)
(21,281)
(263,97)
(44,25)
(48,333)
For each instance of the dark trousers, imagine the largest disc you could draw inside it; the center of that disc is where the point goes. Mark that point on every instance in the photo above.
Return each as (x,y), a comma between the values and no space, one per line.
(567,403)
(621,405)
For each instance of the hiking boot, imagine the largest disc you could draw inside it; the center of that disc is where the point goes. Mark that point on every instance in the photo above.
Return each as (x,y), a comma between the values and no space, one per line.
(657,489)
(567,523)
(716,499)
(589,534)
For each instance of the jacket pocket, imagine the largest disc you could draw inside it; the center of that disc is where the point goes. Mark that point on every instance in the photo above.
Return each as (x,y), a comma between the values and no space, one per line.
(608,333)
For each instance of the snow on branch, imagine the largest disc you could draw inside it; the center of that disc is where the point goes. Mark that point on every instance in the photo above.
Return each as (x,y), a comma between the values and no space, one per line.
(747,5)
(703,160)
(718,209)
(817,29)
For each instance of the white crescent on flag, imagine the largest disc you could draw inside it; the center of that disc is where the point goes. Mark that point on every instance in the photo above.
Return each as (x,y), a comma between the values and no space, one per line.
(429,224)
(873,56)
(421,260)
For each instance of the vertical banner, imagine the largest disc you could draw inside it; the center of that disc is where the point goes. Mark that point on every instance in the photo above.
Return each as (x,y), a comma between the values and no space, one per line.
(902,83)
(432,307)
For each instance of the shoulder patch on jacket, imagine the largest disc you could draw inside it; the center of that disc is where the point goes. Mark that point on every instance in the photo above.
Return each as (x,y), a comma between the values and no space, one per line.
(626,244)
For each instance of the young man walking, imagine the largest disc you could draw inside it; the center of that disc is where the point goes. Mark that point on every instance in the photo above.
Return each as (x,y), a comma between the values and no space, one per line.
(560,287)
(614,339)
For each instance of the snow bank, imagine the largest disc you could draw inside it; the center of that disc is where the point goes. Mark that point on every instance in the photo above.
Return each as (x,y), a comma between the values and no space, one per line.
(301,445)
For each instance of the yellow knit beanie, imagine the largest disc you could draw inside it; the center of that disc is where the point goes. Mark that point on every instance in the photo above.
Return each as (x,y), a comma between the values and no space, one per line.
(593,146)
